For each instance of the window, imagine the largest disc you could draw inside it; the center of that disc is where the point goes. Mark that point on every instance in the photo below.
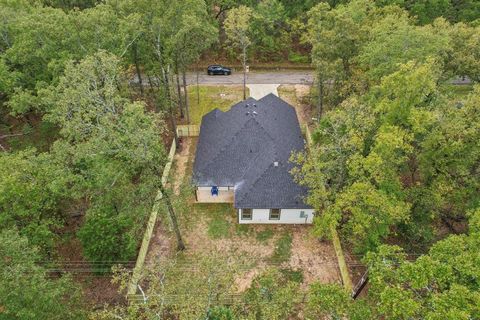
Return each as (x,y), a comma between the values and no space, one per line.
(302,214)
(246,214)
(274,214)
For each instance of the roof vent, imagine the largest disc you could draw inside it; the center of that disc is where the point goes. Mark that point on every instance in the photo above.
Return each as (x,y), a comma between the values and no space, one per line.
(275,164)
(254,105)
(247,105)
(254,113)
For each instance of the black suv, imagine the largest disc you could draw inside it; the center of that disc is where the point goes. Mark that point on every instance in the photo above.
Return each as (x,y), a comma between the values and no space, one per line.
(218,69)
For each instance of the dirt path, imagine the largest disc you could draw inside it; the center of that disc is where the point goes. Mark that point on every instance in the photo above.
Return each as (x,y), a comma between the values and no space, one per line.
(161,244)
(181,161)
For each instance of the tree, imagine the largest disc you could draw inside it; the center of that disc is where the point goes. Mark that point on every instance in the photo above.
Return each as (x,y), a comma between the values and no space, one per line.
(450,157)
(237,29)
(117,147)
(208,290)
(363,174)
(464,59)
(26,291)
(394,40)
(336,36)
(334,302)
(193,33)
(272,295)
(31,195)
(439,285)
(269,35)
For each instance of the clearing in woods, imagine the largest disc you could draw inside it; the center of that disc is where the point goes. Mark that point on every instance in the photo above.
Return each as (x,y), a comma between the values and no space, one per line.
(208,228)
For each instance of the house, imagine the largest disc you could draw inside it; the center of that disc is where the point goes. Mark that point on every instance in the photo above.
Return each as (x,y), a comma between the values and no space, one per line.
(243,157)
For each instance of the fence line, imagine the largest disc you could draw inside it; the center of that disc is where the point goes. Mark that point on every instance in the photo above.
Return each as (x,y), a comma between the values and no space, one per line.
(142,254)
(308,135)
(342,265)
(188,130)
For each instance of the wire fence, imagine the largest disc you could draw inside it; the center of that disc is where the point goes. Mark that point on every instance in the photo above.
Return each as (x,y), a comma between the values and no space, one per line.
(142,254)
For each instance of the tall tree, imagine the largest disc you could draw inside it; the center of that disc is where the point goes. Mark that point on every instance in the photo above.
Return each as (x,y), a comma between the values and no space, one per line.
(237,28)
(193,33)
(116,145)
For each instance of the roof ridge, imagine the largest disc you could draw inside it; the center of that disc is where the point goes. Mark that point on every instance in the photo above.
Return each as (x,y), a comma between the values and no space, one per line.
(253,184)
(266,131)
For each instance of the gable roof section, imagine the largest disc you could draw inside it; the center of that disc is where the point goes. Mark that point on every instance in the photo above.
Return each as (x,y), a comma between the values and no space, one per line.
(239,147)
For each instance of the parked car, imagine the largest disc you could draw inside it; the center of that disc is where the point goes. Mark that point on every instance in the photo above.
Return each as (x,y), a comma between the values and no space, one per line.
(218,69)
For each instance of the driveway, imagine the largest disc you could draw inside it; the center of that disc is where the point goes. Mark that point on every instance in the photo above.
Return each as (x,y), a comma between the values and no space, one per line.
(271,77)
(258,91)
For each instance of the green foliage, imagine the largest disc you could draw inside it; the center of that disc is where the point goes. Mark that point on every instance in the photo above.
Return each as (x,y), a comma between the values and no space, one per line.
(116,148)
(423,288)
(205,283)
(26,290)
(293,275)
(105,238)
(238,31)
(333,301)
(220,313)
(298,58)
(31,191)
(368,174)
(283,249)
(268,30)
(272,296)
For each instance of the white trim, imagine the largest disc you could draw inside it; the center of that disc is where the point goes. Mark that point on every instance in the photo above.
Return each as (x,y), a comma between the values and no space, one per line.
(287,216)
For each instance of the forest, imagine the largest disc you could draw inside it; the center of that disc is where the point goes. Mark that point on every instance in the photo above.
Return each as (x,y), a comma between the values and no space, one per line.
(394,166)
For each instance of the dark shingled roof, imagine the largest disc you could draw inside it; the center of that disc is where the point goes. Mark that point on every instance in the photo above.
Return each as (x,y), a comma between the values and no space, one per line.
(239,147)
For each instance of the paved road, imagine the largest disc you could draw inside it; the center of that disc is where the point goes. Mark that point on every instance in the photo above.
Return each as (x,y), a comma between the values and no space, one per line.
(271,77)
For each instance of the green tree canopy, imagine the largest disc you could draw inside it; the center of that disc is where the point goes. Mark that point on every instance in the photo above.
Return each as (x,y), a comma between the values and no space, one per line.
(26,290)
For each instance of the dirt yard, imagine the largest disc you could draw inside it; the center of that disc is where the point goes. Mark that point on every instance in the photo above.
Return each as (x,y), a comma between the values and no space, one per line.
(208,228)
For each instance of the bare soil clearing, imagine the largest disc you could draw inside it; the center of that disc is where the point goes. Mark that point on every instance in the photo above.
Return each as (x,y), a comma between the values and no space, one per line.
(238,243)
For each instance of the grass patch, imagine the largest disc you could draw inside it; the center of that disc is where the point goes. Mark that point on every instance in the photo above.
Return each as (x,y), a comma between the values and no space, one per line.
(264,235)
(220,218)
(292,275)
(211,97)
(243,230)
(218,228)
(283,249)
